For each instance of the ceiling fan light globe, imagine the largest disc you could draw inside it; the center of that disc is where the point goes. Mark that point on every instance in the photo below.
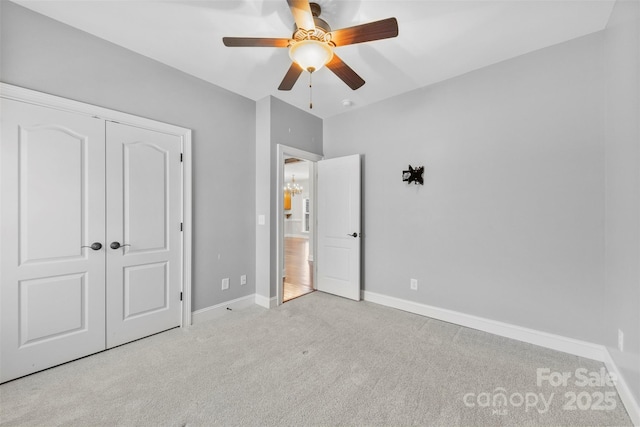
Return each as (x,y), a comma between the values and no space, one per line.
(311,55)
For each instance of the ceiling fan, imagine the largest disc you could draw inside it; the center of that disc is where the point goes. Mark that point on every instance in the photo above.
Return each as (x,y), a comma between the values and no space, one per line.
(312,43)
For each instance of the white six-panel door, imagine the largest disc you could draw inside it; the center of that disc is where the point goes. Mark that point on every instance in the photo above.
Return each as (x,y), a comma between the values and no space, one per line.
(68,181)
(52,288)
(144,203)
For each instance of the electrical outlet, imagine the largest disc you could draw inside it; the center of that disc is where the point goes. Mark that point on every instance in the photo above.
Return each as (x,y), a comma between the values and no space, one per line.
(225,283)
(620,340)
(243,279)
(414,284)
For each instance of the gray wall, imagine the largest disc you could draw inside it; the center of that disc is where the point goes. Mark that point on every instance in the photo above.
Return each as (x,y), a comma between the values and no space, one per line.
(276,123)
(295,128)
(42,54)
(509,223)
(622,297)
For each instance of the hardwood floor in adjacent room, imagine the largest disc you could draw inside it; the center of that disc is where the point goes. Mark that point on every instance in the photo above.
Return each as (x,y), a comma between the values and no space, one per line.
(299,277)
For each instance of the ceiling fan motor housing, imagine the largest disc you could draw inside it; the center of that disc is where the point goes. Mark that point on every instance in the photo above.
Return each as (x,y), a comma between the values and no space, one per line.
(321,32)
(315,9)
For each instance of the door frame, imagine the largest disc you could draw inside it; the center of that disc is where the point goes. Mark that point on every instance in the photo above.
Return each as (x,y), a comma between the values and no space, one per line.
(286,151)
(51,101)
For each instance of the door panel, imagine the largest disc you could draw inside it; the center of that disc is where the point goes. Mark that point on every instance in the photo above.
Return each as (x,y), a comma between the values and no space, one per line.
(52,185)
(51,234)
(144,211)
(145,289)
(52,307)
(146,175)
(337,261)
(338,257)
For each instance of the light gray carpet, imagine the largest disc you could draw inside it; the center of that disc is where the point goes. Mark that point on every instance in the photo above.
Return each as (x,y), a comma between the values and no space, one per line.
(317,360)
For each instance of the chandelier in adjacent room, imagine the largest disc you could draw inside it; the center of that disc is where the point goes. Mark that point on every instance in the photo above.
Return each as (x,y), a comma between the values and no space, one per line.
(292,187)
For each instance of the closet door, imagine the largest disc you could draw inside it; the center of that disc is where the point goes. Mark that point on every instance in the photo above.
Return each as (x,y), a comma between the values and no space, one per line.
(144,242)
(52,286)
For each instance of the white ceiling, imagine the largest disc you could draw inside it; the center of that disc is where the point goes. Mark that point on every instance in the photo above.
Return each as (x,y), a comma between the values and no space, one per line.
(299,169)
(438,39)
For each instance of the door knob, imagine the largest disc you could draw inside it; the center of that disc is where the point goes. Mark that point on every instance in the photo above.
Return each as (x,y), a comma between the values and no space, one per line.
(117,245)
(96,246)
(353,235)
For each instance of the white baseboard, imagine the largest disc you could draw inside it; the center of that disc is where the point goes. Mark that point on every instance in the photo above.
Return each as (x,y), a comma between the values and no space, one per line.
(218,310)
(265,302)
(628,400)
(531,336)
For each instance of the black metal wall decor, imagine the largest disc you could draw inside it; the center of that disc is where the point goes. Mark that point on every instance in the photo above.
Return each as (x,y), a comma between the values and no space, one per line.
(413,175)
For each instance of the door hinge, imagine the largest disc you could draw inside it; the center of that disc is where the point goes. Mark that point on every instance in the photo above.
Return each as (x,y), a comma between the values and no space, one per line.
(180,226)
(180,296)
(180,156)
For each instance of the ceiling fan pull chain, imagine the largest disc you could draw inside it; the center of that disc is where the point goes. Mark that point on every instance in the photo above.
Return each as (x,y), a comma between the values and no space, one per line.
(310,92)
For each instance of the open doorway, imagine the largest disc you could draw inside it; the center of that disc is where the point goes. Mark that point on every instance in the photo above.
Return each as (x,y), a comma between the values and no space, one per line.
(298,228)
(296,225)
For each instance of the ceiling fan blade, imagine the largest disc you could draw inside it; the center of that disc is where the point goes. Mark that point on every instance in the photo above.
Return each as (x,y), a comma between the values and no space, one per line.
(254,42)
(301,12)
(291,77)
(345,73)
(377,30)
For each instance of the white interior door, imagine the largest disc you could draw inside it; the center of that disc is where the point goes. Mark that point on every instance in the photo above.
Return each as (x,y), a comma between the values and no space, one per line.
(144,215)
(52,288)
(338,210)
